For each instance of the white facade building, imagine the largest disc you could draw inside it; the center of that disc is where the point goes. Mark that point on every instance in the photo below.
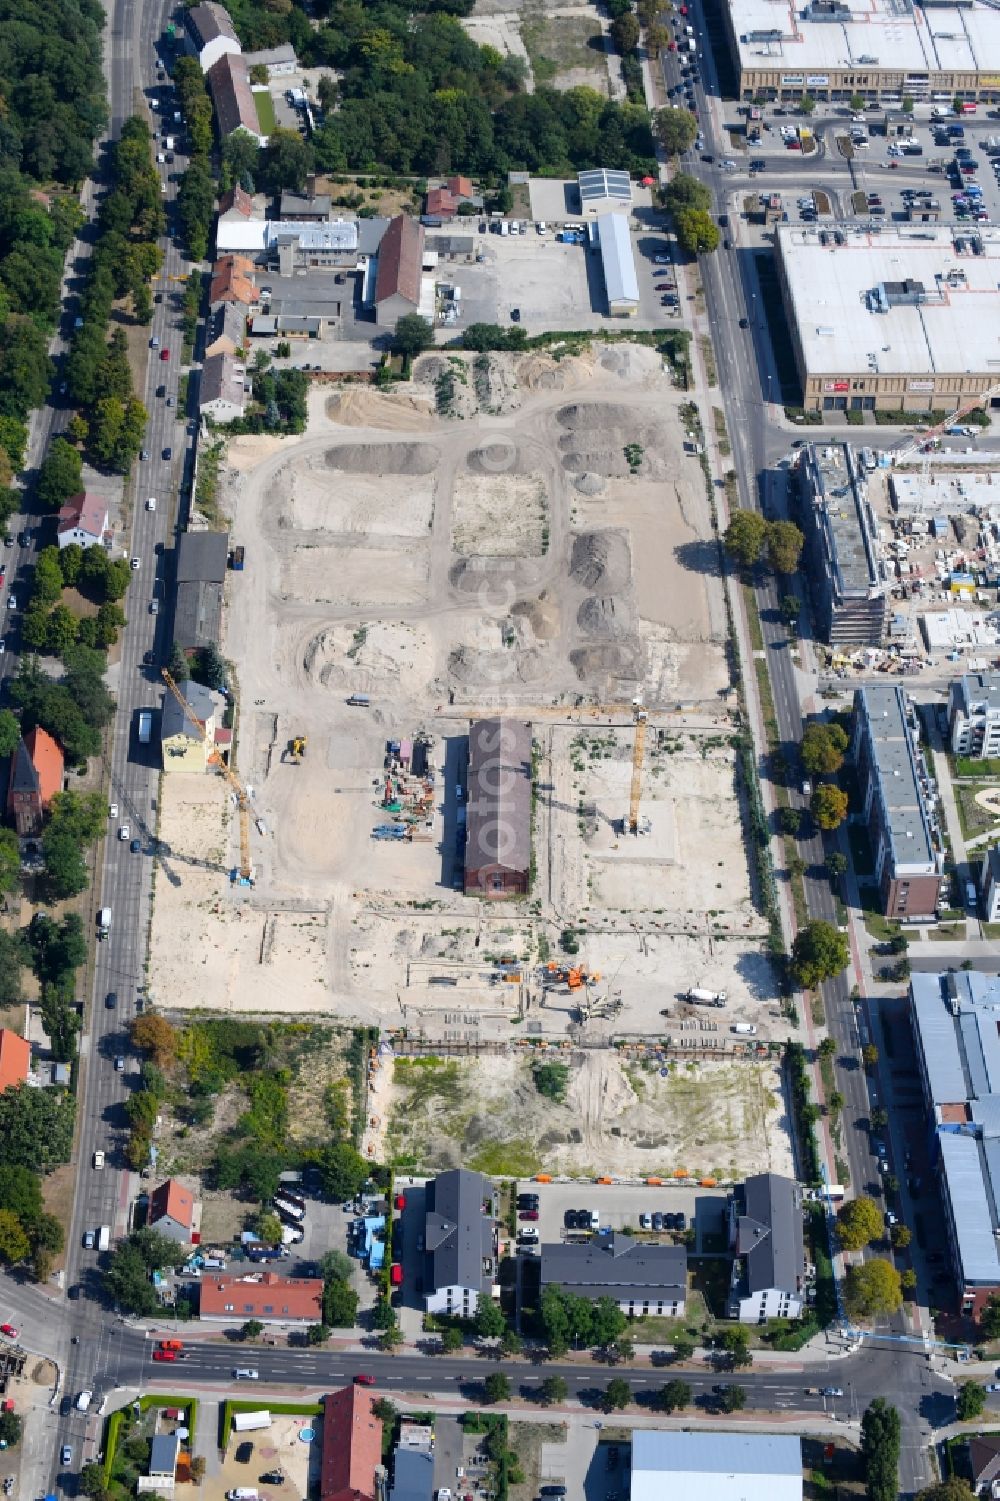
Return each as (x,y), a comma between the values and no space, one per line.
(974,715)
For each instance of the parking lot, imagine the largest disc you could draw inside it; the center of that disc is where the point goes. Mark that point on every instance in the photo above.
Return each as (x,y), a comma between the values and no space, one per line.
(620,1206)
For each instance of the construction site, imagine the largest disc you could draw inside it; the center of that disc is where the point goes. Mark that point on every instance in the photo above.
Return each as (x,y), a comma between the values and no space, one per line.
(422,584)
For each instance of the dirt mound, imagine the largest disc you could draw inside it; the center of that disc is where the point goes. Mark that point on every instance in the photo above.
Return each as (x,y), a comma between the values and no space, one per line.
(590,484)
(497,385)
(602,561)
(539,374)
(610,462)
(383,458)
(584,416)
(360,406)
(500,457)
(617,659)
(604,615)
(541,614)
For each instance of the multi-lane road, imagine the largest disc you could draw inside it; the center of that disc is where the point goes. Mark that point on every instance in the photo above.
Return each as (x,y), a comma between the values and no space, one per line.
(106,1352)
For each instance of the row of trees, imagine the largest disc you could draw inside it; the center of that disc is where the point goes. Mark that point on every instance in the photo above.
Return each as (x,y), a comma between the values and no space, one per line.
(112,420)
(751,539)
(689,203)
(51,626)
(52,85)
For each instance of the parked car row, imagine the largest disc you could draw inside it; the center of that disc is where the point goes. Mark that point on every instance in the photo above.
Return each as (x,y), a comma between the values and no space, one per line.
(663,1221)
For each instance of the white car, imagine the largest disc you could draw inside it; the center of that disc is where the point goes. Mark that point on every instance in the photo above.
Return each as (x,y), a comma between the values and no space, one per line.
(124,832)
(245,1373)
(151,503)
(98,1160)
(112,810)
(134,564)
(3,646)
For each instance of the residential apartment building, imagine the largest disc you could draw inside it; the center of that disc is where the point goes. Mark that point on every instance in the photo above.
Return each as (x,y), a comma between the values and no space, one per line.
(210,33)
(899,802)
(183,745)
(847,574)
(989,885)
(641,1278)
(765,1236)
(351,1454)
(955,1019)
(460,1252)
(974,716)
(263,1296)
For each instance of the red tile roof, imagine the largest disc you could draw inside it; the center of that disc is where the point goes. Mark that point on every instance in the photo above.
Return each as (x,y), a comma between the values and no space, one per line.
(231,281)
(268,1297)
(15,1058)
(171,1199)
(239,199)
(440,201)
(400,260)
(47,759)
(460,187)
(352,1446)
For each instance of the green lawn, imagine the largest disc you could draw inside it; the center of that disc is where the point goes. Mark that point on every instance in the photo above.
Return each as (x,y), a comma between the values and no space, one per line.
(265,110)
(963,767)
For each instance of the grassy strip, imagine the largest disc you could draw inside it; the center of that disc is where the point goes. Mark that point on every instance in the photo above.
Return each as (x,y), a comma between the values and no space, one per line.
(803,1111)
(708,358)
(721,431)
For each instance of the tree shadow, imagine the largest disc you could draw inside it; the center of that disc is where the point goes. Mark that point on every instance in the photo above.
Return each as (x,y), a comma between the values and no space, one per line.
(700,557)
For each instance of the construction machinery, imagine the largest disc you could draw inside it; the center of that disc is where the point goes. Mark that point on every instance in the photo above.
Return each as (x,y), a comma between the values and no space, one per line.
(574,977)
(297,749)
(245,874)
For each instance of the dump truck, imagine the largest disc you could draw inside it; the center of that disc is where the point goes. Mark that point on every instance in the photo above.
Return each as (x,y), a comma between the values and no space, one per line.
(702,997)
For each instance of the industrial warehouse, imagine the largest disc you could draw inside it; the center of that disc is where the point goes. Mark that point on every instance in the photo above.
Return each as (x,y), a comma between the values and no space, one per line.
(895,319)
(833,49)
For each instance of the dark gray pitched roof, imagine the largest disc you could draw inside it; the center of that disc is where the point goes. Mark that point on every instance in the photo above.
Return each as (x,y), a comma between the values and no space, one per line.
(499,798)
(202,555)
(23,776)
(174,721)
(458,1235)
(618,1266)
(769,1233)
(208,21)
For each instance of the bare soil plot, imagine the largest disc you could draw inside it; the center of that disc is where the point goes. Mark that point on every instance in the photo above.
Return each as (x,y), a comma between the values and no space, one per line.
(717,1119)
(501,516)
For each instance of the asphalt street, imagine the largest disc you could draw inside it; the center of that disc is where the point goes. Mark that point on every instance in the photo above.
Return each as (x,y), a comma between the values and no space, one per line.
(111,1353)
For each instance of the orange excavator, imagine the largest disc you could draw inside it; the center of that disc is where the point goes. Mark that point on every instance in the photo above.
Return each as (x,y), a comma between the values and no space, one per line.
(573,977)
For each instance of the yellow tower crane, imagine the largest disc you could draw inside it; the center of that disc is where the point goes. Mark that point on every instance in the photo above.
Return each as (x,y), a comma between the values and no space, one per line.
(640,718)
(246,870)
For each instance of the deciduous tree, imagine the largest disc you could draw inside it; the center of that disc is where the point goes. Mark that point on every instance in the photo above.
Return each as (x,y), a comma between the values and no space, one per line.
(859,1222)
(819,952)
(872,1289)
(829,805)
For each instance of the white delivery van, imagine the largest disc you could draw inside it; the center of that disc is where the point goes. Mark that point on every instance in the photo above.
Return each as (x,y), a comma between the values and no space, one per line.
(84,1400)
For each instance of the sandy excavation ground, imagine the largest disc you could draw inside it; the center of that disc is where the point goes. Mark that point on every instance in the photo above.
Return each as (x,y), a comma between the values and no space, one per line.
(500,558)
(720,1120)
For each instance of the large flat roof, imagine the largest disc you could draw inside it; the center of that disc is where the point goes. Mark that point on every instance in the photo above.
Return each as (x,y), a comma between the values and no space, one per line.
(716,1466)
(872,35)
(957,1016)
(840,494)
(899,776)
(848,307)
